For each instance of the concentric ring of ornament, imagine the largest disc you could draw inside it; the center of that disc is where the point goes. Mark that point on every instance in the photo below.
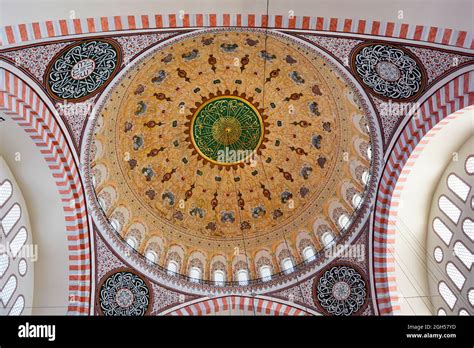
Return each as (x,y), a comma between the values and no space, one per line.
(341,290)
(124,293)
(165,184)
(81,70)
(227,129)
(389,71)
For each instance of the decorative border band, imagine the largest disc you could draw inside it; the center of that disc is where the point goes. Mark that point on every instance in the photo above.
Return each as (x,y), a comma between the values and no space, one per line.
(18,33)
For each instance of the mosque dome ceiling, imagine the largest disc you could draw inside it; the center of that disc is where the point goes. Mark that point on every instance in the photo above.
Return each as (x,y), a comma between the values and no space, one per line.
(234,163)
(230,142)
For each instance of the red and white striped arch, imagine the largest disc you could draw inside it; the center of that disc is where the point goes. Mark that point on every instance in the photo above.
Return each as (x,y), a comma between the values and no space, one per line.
(455,98)
(33,31)
(24,105)
(249,304)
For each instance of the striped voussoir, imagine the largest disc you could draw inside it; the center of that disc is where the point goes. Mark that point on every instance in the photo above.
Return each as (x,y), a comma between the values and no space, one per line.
(24,106)
(248,304)
(33,31)
(454,98)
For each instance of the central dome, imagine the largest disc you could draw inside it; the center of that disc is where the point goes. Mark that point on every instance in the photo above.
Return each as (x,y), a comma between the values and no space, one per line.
(230,145)
(226,130)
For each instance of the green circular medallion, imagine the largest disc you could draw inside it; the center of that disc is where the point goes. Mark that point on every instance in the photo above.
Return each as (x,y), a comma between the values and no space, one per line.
(226,130)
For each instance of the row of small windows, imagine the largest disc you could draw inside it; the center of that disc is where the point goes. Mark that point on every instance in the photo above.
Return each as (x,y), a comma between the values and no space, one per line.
(195,273)
(327,238)
(308,253)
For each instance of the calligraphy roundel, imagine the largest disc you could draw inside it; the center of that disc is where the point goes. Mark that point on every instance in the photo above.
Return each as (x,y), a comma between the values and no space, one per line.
(390,72)
(124,293)
(341,290)
(82,69)
(226,124)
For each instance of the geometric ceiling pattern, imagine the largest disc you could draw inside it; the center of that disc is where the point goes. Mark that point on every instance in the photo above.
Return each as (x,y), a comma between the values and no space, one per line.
(225,161)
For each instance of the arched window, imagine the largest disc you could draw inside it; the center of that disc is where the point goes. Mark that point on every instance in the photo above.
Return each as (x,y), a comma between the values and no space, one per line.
(327,239)
(18,242)
(195,274)
(219,277)
(132,242)
(287,265)
(172,267)
(102,203)
(356,199)
(243,276)
(442,231)
(447,295)
(10,219)
(343,221)
(463,253)
(308,253)
(265,273)
(469,165)
(468,226)
(369,153)
(6,191)
(115,225)
(365,177)
(458,186)
(456,276)
(151,256)
(449,208)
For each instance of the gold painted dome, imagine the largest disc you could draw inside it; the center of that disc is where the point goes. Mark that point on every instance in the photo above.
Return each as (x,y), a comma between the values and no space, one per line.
(226,143)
